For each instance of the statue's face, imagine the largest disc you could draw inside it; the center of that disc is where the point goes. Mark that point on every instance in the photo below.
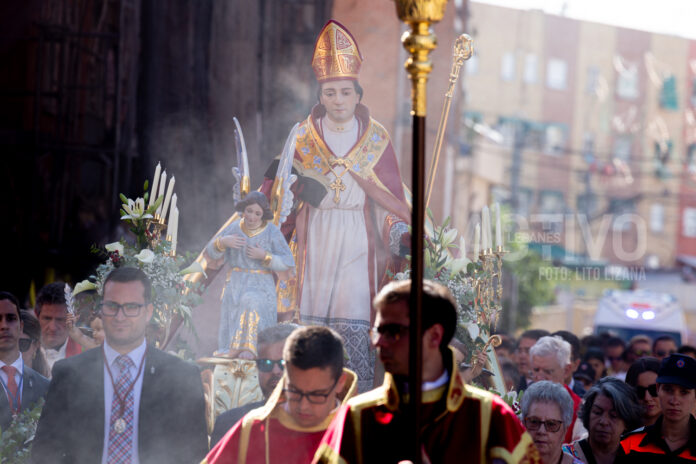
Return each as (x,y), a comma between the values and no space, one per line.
(340,99)
(253,215)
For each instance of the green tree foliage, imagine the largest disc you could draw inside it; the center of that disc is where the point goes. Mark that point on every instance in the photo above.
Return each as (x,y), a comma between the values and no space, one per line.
(532,289)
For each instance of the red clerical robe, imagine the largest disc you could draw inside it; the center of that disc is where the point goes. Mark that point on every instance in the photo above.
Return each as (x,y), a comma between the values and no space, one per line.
(462,424)
(270,435)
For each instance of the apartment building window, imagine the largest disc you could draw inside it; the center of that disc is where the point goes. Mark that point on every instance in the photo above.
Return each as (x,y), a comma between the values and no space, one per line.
(524,201)
(689,222)
(531,68)
(507,67)
(588,142)
(622,208)
(623,145)
(507,126)
(663,150)
(468,135)
(534,136)
(587,204)
(627,82)
(668,94)
(551,201)
(500,195)
(554,140)
(556,74)
(657,218)
(593,74)
(691,158)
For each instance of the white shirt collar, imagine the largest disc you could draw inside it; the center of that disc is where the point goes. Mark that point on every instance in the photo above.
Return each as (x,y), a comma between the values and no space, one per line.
(18,364)
(136,355)
(437,383)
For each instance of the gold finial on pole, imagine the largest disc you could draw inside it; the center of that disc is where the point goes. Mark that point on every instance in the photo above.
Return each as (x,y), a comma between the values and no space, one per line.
(419,41)
(462,51)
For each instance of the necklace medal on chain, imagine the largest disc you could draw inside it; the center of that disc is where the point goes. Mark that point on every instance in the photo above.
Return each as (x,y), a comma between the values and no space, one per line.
(120,424)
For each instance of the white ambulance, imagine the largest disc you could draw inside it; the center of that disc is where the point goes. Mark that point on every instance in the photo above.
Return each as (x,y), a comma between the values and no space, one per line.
(626,313)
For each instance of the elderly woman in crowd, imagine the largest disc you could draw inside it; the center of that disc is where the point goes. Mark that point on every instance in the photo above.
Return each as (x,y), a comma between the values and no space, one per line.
(547,412)
(642,376)
(610,409)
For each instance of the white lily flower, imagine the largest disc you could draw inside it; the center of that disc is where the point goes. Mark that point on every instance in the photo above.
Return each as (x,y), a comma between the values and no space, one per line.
(194,268)
(458,265)
(449,237)
(115,246)
(84,286)
(146,256)
(473,329)
(135,209)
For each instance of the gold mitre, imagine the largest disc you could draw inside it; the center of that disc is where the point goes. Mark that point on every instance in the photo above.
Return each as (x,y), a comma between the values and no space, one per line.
(336,54)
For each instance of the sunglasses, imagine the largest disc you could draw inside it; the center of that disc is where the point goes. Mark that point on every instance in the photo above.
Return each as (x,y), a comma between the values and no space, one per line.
(532,423)
(391,332)
(266,365)
(663,354)
(652,389)
(25,344)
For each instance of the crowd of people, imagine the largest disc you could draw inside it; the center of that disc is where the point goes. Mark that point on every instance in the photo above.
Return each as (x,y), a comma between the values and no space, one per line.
(114,398)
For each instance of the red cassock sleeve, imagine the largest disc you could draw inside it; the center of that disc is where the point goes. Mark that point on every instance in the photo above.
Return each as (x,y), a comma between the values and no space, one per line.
(227,449)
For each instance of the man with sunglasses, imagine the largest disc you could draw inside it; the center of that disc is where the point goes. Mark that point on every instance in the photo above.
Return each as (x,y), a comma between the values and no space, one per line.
(125,401)
(460,423)
(270,365)
(22,386)
(672,438)
(664,346)
(289,427)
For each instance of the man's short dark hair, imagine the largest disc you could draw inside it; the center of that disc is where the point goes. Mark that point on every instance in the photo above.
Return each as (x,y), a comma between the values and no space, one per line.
(574,343)
(506,343)
(53,293)
(315,346)
(663,338)
(131,274)
(687,350)
(12,299)
(439,306)
(534,334)
(356,85)
(616,341)
(275,334)
(32,327)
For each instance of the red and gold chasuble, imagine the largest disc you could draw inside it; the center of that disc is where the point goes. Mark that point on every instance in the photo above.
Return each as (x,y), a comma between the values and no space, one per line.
(462,424)
(270,435)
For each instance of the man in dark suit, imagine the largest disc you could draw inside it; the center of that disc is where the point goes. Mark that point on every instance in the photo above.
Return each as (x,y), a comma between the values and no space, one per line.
(125,402)
(22,386)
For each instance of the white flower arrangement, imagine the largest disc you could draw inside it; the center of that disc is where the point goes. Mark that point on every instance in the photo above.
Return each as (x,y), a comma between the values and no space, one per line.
(171,294)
